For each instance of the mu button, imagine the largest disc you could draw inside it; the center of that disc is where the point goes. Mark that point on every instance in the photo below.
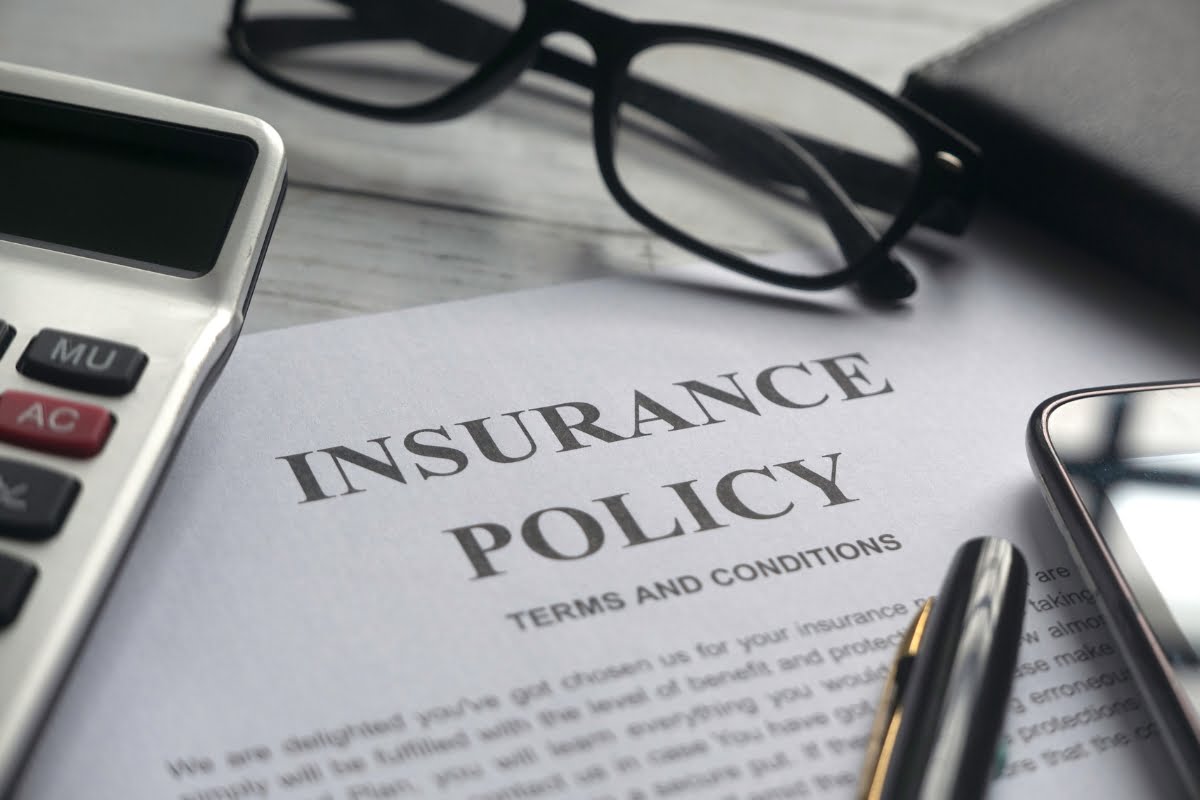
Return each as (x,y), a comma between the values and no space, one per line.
(81,362)
(52,425)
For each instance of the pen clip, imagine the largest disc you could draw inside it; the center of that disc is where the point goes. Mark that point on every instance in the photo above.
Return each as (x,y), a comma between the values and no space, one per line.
(888,714)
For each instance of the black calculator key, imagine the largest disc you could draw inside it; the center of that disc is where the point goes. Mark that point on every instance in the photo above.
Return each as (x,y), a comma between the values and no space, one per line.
(6,335)
(81,362)
(33,501)
(16,579)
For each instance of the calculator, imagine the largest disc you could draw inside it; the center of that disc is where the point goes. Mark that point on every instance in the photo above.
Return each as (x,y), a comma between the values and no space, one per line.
(132,228)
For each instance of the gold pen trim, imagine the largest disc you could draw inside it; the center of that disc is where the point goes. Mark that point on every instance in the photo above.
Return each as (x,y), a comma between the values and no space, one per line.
(886,725)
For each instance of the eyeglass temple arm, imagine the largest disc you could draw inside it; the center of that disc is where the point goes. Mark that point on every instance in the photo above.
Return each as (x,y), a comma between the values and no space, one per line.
(456,32)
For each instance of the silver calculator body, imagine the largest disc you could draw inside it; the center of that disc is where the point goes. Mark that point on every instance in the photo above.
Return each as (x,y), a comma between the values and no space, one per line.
(111,319)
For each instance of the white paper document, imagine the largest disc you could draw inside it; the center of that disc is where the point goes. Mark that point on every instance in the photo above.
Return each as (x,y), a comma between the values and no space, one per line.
(620,539)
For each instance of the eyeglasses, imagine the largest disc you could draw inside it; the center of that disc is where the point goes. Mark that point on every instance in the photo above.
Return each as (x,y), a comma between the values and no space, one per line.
(734,148)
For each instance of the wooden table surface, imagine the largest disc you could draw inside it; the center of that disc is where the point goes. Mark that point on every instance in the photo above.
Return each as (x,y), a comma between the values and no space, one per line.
(382,216)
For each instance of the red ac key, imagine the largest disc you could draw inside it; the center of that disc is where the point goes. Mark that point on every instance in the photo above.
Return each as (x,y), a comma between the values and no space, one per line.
(53,425)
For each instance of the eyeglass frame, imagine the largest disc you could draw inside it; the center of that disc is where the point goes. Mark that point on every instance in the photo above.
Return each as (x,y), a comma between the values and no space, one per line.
(941,196)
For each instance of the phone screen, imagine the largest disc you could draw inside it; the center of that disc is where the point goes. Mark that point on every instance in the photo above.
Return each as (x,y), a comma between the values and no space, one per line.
(1157,535)
(1133,461)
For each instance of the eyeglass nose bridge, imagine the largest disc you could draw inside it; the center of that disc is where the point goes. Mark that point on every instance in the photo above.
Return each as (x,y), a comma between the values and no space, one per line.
(606,34)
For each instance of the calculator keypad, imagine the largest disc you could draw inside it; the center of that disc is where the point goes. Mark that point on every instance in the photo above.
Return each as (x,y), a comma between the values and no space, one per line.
(34,501)
(16,579)
(98,366)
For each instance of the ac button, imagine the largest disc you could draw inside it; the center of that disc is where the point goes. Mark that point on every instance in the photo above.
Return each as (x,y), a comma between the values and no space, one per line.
(53,425)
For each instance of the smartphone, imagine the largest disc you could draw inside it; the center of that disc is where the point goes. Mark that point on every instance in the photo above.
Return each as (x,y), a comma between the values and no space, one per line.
(1120,469)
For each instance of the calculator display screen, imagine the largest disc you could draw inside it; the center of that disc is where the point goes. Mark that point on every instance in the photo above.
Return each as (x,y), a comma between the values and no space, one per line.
(137,191)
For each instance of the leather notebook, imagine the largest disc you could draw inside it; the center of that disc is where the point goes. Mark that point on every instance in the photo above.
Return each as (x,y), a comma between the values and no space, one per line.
(1088,115)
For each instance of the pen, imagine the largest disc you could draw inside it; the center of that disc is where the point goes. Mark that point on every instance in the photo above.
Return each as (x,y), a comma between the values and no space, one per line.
(939,717)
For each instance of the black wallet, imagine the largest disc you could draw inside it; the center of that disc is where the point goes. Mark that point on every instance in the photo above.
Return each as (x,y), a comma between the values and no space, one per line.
(1088,115)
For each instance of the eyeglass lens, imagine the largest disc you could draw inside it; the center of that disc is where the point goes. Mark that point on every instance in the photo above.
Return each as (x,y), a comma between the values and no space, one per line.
(725,146)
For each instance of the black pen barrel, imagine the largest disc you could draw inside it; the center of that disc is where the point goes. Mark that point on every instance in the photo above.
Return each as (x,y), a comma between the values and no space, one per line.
(954,703)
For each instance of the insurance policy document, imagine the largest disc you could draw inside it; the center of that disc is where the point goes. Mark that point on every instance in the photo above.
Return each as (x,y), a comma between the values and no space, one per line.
(625,539)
